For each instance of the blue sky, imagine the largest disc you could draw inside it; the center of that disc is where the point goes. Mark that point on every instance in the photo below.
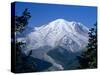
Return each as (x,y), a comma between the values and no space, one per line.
(45,13)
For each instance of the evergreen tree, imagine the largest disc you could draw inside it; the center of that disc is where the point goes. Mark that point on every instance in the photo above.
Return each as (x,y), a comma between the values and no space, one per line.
(22,21)
(23,63)
(88,59)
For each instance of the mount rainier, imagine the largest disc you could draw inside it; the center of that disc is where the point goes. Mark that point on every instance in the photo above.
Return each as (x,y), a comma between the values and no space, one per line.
(58,42)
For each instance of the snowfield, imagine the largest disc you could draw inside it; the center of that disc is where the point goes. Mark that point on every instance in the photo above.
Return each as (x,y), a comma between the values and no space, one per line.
(59,42)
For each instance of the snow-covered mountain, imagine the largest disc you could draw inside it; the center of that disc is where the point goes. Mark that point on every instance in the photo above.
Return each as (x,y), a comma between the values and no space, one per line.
(57,42)
(70,35)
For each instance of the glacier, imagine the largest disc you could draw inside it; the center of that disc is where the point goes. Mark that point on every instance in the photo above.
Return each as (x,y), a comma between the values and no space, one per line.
(58,42)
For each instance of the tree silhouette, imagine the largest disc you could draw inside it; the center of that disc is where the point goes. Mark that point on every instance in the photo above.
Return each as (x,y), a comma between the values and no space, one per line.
(88,59)
(22,21)
(23,62)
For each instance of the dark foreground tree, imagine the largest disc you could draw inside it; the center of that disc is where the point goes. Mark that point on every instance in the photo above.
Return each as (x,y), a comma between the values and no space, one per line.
(22,21)
(88,59)
(23,63)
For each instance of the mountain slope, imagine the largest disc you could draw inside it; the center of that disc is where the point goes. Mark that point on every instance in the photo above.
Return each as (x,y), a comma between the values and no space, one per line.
(57,33)
(56,42)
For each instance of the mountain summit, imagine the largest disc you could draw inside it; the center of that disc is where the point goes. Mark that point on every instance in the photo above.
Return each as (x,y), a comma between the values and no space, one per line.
(57,42)
(70,35)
